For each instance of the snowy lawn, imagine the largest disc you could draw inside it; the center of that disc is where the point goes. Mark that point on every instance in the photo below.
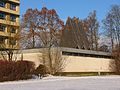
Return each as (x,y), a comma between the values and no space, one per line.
(65,83)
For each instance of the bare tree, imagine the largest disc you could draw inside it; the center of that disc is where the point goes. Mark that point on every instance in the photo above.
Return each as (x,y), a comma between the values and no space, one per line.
(50,27)
(57,63)
(41,27)
(28,28)
(74,34)
(82,34)
(116,56)
(92,32)
(112,25)
(44,27)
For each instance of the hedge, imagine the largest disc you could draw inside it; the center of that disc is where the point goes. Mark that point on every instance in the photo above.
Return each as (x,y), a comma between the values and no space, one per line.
(16,70)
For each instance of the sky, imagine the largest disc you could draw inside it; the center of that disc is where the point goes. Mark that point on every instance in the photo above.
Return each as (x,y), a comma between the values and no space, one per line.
(65,8)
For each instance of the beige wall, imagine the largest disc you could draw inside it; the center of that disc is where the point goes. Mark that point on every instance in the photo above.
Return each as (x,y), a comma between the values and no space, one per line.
(87,64)
(35,57)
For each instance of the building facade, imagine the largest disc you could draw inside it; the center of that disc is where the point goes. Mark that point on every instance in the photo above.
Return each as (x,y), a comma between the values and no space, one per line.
(76,61)
(9,23)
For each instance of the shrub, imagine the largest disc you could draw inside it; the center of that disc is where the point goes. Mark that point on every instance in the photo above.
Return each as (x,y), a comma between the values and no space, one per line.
(40,70)
(15,70)
(116,55)
(24,69)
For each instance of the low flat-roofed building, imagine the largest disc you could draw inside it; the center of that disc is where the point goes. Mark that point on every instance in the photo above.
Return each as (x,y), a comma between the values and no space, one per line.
(76,60)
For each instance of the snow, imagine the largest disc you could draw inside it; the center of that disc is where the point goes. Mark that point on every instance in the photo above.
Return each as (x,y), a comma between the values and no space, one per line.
(65,83)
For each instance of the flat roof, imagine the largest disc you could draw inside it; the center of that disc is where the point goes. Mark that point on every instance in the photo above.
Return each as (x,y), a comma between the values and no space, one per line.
(69,50)
(90,52)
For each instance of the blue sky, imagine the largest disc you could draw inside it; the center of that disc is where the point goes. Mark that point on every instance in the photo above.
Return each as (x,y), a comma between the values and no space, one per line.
(65,8)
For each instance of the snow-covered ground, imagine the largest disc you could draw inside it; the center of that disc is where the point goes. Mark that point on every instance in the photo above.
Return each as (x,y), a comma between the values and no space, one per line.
(65,83)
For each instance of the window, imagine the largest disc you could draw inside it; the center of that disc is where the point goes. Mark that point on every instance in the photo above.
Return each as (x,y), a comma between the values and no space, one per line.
(84,54)
(2,4)
(13,30)
(2,15)
(13,18)
(13,7)
(2,40)
(12,42)
(2,28)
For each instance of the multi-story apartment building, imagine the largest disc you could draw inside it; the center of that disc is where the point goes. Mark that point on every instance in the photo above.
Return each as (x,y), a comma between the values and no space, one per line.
(9,23)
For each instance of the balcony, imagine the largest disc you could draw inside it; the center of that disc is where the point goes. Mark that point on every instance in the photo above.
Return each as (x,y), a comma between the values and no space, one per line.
(5,43)
(7,34)
(15,1)
(12,46)
(9,11)
(6,46)
(9,22)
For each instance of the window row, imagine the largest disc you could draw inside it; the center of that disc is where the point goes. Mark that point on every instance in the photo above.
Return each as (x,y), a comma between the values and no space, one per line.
(12,5)
(85,55)
(11,42)
(12,17)
(3,28)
